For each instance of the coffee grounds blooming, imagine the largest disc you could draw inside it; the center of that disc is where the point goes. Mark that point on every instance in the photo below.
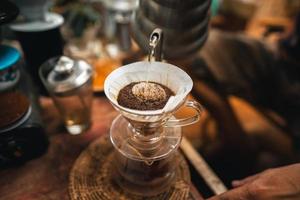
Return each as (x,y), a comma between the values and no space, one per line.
(144,96)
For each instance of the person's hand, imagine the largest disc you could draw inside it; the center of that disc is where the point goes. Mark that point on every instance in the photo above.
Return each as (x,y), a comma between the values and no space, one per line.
(273,184)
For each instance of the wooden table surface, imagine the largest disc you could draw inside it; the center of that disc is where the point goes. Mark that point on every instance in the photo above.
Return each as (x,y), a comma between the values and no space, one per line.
(47,177)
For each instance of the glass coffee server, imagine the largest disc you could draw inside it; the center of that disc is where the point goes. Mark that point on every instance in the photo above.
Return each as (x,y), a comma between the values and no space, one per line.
(146,142)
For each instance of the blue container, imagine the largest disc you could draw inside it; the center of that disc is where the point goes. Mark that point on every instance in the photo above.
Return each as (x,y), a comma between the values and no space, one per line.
(9,73)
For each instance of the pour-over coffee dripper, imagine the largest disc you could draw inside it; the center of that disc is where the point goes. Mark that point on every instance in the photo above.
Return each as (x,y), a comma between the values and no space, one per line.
(146,141)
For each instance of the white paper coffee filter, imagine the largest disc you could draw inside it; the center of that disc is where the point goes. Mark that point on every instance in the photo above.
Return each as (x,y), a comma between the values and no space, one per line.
(169,75)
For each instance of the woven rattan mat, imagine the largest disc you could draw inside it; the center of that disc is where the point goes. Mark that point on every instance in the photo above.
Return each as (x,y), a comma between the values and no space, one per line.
(91,177)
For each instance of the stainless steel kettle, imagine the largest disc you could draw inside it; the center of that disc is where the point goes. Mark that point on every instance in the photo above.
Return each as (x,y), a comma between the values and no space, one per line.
(184,23)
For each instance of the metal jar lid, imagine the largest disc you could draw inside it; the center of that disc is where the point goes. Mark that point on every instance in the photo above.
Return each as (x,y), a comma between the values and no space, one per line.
(68,74)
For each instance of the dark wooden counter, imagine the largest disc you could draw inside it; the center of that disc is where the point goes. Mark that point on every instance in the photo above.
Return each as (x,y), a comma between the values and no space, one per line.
(47,177)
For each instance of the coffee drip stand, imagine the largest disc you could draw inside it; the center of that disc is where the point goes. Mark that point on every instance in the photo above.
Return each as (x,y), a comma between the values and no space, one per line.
(146,142)
(141,156)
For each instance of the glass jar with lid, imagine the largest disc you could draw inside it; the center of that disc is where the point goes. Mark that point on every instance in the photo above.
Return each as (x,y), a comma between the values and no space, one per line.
(69,83)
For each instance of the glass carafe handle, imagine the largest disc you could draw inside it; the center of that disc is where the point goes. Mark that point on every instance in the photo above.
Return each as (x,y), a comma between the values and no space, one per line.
(189,120)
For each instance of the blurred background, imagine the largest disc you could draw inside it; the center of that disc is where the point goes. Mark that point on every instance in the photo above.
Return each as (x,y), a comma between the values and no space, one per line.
(243,55)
